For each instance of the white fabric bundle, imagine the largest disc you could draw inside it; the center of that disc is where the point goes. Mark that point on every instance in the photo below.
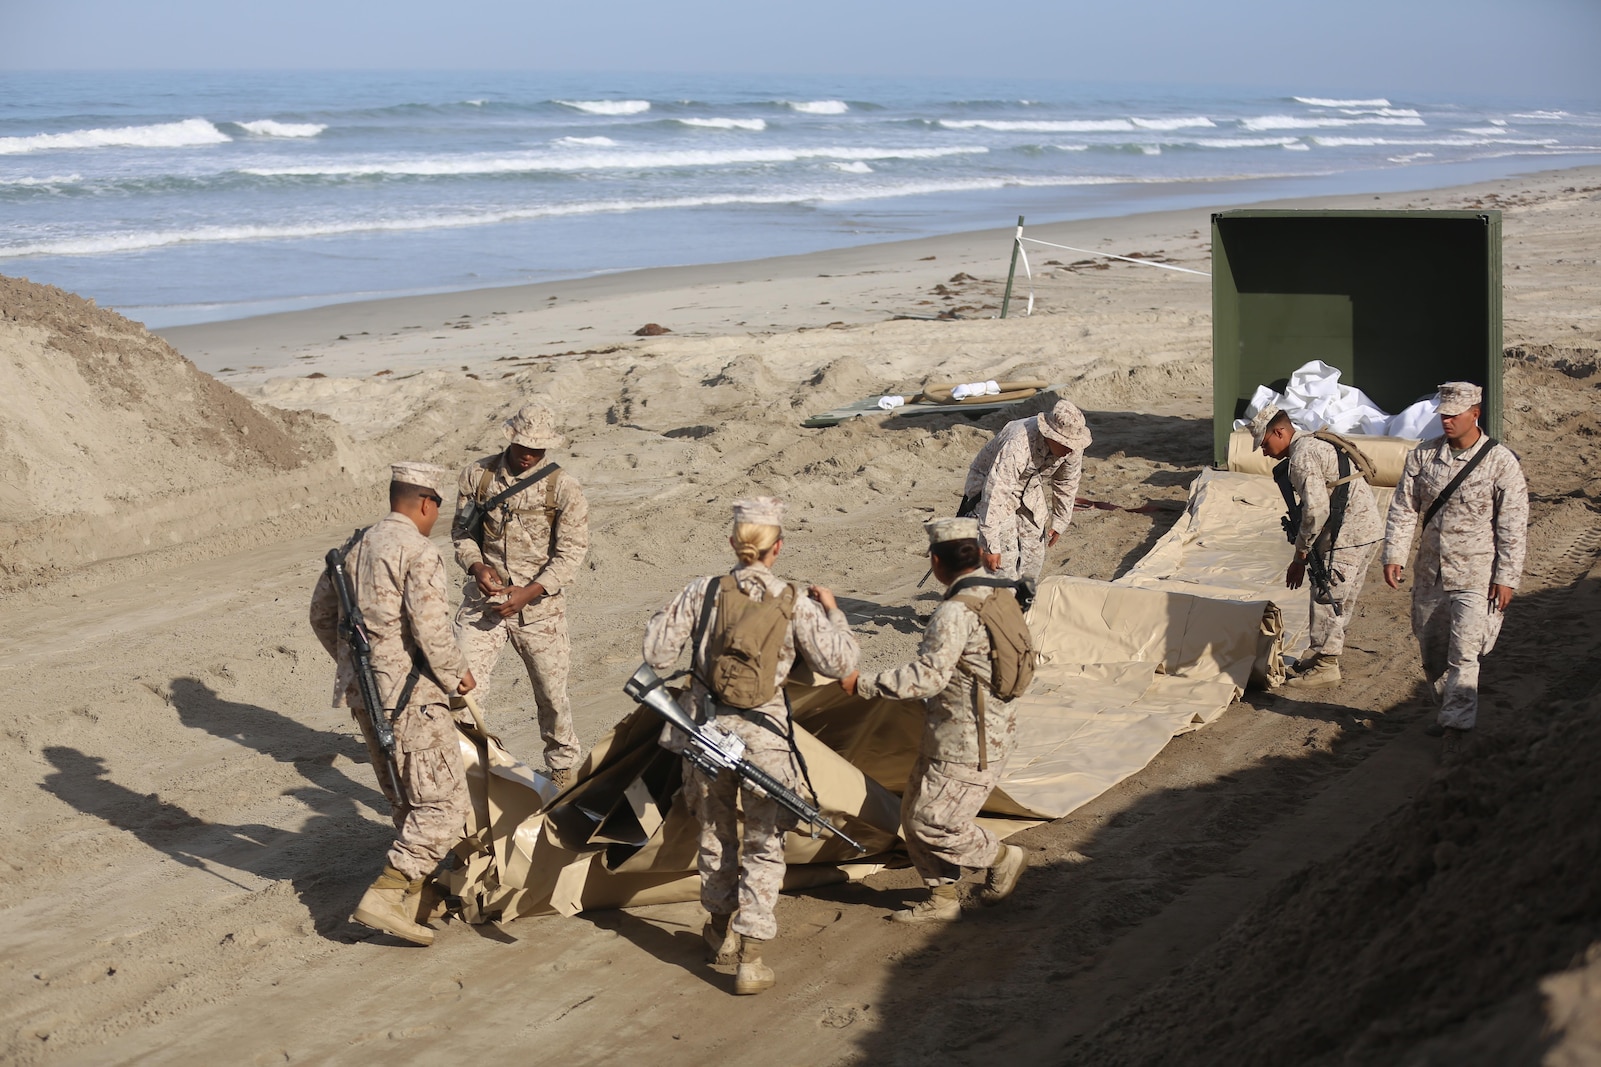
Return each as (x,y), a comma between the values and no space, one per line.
(989,388)
(1314,399)
(890,403)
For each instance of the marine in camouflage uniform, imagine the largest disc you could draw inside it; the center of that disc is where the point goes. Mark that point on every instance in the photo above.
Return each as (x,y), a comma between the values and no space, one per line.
(1470,555)
(398,578)
(952,779)
(741,874)
(532,547)
(1314,472)
(1025,480)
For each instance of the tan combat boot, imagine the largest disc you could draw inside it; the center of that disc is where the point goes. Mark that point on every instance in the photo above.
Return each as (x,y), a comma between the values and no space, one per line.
(1002,878)
(1322,674)
(562,778)
(389,904)
(430,902)
(753,975)
(722,944)
(942,906)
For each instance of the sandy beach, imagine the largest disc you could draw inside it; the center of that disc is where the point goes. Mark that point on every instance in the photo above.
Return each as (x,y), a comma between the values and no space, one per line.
(190,823)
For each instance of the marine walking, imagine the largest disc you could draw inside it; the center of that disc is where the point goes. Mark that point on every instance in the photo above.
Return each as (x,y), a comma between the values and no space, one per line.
(1463,498)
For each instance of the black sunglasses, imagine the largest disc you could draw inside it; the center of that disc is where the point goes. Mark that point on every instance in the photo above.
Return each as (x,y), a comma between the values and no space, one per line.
(438,500)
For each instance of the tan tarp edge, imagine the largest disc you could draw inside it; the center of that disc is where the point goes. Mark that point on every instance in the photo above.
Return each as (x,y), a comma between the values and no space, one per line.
(1229,545)
(1387,453)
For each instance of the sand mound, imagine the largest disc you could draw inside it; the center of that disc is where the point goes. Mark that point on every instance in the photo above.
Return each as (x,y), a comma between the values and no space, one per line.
(113,443)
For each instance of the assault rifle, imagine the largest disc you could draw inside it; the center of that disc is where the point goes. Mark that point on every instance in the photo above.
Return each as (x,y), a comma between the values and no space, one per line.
(713,751)
(1317,568)
(965,510)
(353,628)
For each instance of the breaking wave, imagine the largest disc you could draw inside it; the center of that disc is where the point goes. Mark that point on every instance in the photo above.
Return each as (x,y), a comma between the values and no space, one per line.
(186,134)
(138,241)
(1318,101)
(1185,123)
(754,125)
(272,128)
(455,165)
(1298,122)
(819,107)
(1040,126)
(585,142)
(607,107)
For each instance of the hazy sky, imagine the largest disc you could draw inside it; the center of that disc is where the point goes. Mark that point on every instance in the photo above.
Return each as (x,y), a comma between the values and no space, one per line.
(1498,48)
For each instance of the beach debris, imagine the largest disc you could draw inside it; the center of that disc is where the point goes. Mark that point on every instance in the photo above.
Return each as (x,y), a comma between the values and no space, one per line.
(926,259)
(962,276)
(651,329)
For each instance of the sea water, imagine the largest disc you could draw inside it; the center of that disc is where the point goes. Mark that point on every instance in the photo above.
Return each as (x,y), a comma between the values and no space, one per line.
(188,197)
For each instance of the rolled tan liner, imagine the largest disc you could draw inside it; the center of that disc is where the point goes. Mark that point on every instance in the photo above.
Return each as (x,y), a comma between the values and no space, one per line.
(1387,453)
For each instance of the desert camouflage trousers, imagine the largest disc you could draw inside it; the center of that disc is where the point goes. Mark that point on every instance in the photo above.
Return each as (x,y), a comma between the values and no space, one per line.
(1454,630)
(431,816)
(1345,585)
(937,811)
(741,874)
(1022,550)
(540,638)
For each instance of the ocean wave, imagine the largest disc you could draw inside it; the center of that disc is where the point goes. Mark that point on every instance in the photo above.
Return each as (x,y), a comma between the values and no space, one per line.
(1411,157)
(1041,126)
(853,167)
(607,107)
(475,103)
(634,160)
(1298,122)
(186,134)
(140,241)
(754,125)
(1391,112)
(1318,101)
(1433,142)
(819,107)
(586,142)
(1540,115)
(1173,124)
(1484,131)
(1243,142)
(54,179)
(273,128)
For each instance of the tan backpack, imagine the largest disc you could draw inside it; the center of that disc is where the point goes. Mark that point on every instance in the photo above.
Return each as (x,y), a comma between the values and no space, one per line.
(1011,645)
(742,649)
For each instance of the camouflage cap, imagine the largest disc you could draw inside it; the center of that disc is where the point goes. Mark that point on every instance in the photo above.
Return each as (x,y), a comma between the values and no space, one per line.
(1064,424)
(534,427)
(942,530)
(1457,397)
(422,475)
(760,511)
(1259,424)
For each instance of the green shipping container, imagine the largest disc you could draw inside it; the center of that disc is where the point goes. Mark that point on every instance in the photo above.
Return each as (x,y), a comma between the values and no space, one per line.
(1399,301)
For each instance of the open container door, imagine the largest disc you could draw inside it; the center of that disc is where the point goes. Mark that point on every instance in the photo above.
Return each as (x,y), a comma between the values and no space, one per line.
(1399,301)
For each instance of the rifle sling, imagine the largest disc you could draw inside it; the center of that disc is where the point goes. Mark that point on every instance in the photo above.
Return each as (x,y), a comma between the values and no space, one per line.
(516,487)
(1455,483)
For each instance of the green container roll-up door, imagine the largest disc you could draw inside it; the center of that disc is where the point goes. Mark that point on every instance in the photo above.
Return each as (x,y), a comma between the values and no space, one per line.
(1399,301)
